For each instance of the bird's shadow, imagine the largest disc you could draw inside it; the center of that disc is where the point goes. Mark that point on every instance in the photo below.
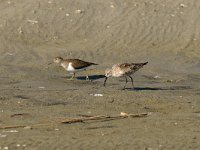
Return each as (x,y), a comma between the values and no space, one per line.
(159,88)
(92,77)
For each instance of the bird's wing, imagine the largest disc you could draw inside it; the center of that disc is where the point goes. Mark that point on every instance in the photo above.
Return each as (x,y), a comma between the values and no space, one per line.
(126,68)
(137,66)
(79,64)
(131,67)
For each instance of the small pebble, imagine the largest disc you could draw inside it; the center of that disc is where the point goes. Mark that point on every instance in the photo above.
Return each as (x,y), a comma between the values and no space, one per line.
(78,11)
(183,5)
(2,135)
(41,87)
(20,30)
(112,6)
(102,134)
(28,127)
(10,54)
(32,21)
(96,94)
(123,114)
(11,131)
(156,77)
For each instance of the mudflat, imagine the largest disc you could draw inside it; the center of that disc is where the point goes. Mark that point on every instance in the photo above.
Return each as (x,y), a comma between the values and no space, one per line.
(36,95)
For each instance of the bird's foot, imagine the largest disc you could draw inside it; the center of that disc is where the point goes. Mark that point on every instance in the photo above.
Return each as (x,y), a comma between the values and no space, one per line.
(123,88)
(87,78)
(70,79)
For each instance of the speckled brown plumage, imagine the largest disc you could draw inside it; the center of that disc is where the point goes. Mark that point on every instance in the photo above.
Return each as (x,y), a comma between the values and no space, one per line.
(125,69)
(73,65)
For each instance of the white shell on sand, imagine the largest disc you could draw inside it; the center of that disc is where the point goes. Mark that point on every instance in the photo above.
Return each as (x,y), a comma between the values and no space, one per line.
(79,11)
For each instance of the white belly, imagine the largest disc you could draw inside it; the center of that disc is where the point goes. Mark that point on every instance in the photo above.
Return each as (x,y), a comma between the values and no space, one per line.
(118,74)
(70,68)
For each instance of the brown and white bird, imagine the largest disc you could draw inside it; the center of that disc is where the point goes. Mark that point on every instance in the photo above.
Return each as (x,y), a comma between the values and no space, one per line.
(73,65)
(123,70)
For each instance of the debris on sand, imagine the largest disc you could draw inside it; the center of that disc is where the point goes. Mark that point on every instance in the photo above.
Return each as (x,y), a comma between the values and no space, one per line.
(156,77)
(20,30)
(79,11)
(28,127)
(32,21)
(112,6)
(2,135)
(81,119)
(11,131)
(96,94)
(10,54)
(41,87)
(183,5)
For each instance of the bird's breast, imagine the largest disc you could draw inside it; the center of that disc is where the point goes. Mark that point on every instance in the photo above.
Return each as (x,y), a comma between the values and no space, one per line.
(70,67)
(117,73)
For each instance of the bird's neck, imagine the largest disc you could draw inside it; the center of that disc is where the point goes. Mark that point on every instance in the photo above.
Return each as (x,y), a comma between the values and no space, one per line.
(60,63)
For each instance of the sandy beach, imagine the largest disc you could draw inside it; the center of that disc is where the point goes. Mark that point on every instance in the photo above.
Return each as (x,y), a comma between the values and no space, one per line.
(36,95)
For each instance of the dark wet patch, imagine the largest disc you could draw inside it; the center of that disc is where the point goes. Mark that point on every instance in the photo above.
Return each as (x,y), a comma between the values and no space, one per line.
(54,102)
(159,88)
(180,88)
(92,77)
(100,127)
(22,115)
(21,97)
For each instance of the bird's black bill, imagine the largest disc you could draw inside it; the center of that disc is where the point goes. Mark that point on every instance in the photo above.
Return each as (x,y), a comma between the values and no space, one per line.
(104,84)
(50,63)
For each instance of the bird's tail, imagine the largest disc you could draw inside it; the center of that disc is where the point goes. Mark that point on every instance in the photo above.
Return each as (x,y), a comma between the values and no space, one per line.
(94,64)
(145,63)
(137,66)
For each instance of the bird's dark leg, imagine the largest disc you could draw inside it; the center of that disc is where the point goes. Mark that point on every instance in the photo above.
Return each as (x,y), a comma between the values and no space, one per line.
(125,83)
(104,84)
(131,81)
(72,76)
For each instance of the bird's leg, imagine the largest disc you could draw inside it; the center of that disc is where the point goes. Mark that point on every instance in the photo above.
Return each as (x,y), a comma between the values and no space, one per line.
(86,76)
(104,84)
(131,81)
(125,83)
(72,76)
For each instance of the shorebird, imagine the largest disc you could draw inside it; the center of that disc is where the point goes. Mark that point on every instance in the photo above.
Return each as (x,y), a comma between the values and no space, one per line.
(123,70)
(73,65)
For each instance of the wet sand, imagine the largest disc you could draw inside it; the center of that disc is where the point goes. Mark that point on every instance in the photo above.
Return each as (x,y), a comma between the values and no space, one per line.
(164,33)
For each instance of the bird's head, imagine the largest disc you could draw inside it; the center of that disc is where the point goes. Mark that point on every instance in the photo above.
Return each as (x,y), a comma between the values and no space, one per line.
(58,60)
(108,73)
